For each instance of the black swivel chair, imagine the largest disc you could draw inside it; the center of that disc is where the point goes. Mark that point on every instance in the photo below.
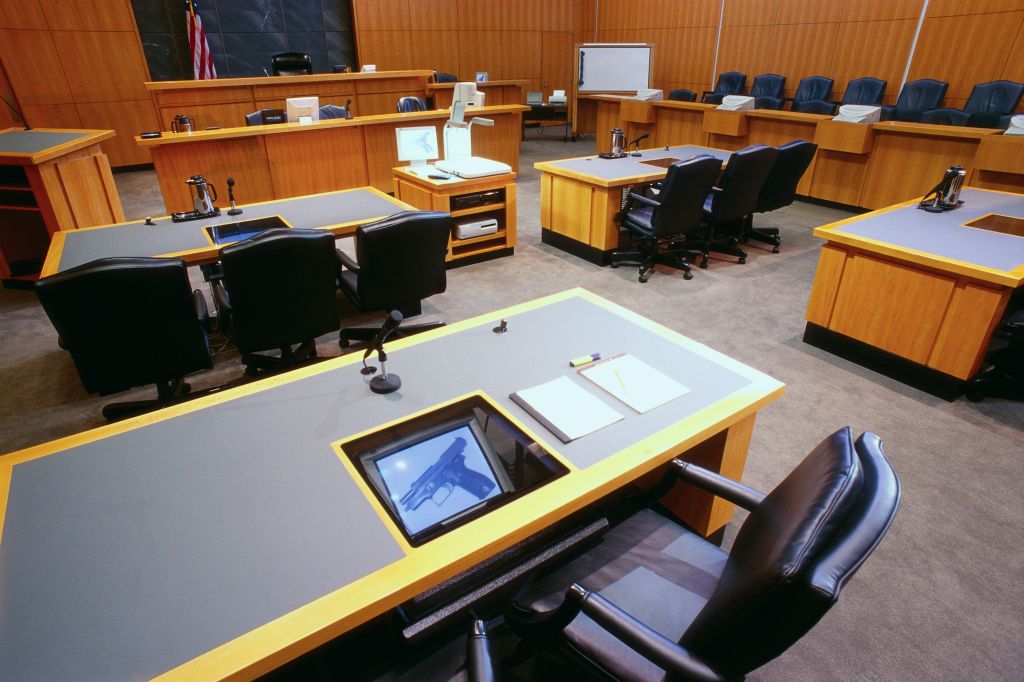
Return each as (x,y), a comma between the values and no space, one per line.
(129,322)
(729,83)
(779,189)
(916,98)
(866,91)
(988,104)
(813,96)
(399,262)
(441,77)
(260,117)
(279,289)
(1005,379)
(682,95)
(291,64)
(658,228)
(729,204)
(408,104)
(654,598)
(329,111)
(767,91)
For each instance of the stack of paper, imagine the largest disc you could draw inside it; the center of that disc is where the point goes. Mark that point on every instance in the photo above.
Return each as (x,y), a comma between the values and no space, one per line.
(566,409)
(634,382)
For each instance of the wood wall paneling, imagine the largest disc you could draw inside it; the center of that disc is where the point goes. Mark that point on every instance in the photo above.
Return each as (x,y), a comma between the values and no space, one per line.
(809,12)
(557,61)
(874,48)
(881,10)
(7,117)
(53,115)
(747,49)
(437,50)
(945,8)
(1014,69)
(520,54)
(34,67)
(22,14)
(750,12)
(89,15)
(479,15)
(373,15)
(388,50)
(128,119)
(803,50)
(99,73)
(480,51)
(425,15)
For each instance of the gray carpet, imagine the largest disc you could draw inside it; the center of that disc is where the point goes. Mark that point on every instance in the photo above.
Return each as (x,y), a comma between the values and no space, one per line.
(941,598)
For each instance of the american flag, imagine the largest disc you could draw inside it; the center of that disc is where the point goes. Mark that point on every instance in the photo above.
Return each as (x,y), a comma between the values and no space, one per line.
(202,60)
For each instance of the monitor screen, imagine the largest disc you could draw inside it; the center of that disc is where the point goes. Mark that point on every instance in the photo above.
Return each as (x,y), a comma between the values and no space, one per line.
(432,481)
(417,144)
(226,233)
(303,109)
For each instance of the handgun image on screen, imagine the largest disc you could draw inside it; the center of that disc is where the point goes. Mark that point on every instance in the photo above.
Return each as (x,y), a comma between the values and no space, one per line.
(443,475)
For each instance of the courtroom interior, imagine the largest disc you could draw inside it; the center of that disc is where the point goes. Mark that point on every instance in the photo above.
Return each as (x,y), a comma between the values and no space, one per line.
(525,340)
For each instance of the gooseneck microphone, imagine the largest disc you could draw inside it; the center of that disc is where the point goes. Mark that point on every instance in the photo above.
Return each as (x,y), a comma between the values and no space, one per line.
(17,112)
(385,383)
(231,197)
(637,143)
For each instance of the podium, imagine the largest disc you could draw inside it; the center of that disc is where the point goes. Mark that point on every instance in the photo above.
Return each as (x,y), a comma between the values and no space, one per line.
(50,180)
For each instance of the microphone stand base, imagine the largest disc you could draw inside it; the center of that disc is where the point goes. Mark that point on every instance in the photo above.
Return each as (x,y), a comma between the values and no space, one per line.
(385,384)
(235,211)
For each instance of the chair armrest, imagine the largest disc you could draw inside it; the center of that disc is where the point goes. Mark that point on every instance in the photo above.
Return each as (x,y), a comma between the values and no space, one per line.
(658,649)
(717,190)
(221,298)
(718,485)
(646,201)
(347,261)
(202,310)
(478,655)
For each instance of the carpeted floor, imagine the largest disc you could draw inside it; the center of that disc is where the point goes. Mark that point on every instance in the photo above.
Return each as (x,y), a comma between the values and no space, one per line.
(943,595)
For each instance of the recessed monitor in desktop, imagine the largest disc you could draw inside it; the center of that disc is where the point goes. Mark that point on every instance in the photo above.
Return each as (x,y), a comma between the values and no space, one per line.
(417,145)
(303,109)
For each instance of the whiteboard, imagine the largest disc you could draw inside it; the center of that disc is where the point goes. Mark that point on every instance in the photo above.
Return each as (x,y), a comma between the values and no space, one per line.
(613,67)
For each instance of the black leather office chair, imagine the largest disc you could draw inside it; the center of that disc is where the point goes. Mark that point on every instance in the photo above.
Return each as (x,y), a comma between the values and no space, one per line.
(279,289)
(1005,379)
(730,203)
(260,116)
(985,108)
(729,83)
(779,188)
(813,96)
(658,228)
(291,64)
(654,601)
(682,95)
(767,91)
(329,111)
(916,98)
(441,77)
(399,262)
(407,104)
(129,322)
(866,91)
(341,68)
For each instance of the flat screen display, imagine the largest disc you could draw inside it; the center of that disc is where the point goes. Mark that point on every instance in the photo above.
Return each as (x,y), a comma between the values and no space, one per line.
(227,233)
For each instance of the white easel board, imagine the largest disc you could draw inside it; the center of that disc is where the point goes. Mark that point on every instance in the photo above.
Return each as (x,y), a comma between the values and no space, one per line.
(613,67)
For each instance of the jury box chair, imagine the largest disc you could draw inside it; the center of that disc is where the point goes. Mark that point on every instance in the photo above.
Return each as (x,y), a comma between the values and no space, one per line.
(682,95)
(399,261)
(767,91)
(988,104)
(411,103)
(915,98)
(278,292)
(779,188)
(129,322)
(654,601)
(291,64)
(329,111)
(658,228)
(813,95)
(728,83)
(733,199)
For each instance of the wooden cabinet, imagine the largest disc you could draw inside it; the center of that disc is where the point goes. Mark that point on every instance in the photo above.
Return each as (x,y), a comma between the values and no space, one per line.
(475,199)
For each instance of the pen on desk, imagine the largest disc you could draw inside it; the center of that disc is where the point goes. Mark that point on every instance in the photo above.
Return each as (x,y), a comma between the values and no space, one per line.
(584,359)
(621,383)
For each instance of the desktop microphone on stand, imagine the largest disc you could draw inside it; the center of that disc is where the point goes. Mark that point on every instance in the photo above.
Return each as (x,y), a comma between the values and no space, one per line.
(636,142)
(17,112)
(385,383)
(231,197)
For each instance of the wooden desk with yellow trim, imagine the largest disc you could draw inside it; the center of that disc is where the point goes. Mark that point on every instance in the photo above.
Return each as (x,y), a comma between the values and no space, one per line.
(579,197)
(495,92)
(50,180)
(918,294)
(294,159)
(341,212)
(223,537)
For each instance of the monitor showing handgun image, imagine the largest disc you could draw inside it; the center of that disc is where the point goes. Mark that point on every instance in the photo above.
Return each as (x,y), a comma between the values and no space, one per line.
(443,468)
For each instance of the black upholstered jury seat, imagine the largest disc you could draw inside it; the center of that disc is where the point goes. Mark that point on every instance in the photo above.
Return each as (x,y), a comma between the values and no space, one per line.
(729,83)
(779,188)
(812,95)
(767,91)
(411,103)
(987,107)
(915,98)
(654,598)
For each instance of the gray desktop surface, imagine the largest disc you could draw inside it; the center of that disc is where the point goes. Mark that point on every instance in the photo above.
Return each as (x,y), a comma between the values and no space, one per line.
(127,556)
(33,141)
(943,234)
(628,166)
(138,239)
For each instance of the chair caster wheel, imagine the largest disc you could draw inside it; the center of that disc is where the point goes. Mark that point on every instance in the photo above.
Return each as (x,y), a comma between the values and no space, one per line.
(643,279)
(775,250)
(974,395)
(743,261)
(613,265)
(344,343)
(687,275)
(704,263)
(251,371)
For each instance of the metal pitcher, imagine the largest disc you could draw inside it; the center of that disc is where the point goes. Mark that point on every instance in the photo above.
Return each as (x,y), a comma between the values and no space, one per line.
(182,124)
(618,141)
(203,195)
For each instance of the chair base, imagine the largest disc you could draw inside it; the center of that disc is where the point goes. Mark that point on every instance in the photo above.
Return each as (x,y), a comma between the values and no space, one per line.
(765,235)
(995,383)
(288,358)
(168,393)
(647,260)
(729,248)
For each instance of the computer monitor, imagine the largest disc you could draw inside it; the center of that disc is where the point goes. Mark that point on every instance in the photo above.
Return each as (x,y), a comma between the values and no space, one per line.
(303,109)
(464,92)
(417,145)
(533,97)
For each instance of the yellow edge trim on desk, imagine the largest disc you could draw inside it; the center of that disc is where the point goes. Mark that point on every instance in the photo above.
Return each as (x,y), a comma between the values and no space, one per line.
(6,472)
(1008,278)
(53,254)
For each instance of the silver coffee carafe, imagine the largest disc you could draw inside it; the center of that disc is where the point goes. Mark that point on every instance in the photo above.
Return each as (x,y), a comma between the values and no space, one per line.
(618,142)
(203,195)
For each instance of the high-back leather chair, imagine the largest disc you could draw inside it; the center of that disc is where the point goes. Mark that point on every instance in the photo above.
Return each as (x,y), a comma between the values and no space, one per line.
(399,261)
(779,188)
(682,95)
(441,77)
(916,98)
(735,198)
(1005,379)
(129,322)
(813,96)
(654,601)
(291,64)
(985,108)
(729,83)
(657,225)
(407,104)
(329,111)
(866,91)
(279,289)
(767,91)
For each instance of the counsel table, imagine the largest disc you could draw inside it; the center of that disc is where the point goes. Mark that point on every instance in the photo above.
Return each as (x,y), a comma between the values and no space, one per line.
(917,293)
(224,537)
